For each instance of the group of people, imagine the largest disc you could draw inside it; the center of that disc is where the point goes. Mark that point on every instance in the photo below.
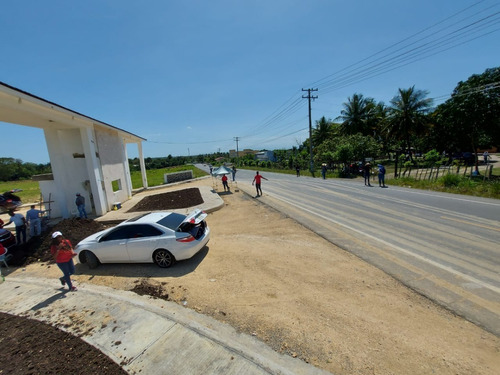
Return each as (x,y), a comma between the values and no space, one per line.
(33,220)
(367,169)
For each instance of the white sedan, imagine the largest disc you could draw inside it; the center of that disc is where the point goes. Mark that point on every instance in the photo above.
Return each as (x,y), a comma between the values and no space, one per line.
(158,237)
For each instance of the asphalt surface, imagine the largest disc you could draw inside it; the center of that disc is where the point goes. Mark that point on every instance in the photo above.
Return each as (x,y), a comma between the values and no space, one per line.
(142,334)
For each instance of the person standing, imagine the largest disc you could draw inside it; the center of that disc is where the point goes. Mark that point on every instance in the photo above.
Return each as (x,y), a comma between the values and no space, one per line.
(366,172)
(323,171)
(486,155)
(20,223)
(233,172)
(297,169)
(63,254)
(80,204)
(224,183)
(33,219)
(257,181)
(381,175)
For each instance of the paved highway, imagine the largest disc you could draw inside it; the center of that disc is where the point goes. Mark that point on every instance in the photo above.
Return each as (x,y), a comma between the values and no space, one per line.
(445,246)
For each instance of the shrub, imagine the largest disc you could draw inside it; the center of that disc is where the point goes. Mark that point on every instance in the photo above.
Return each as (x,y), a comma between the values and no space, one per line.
(450,180)
(432,158)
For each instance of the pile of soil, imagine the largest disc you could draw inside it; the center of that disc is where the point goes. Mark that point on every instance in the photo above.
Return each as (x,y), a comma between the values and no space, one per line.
(169,201)
(144,287)
(33,347)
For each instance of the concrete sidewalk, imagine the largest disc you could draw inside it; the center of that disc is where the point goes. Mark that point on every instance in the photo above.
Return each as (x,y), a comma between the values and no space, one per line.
(145,335)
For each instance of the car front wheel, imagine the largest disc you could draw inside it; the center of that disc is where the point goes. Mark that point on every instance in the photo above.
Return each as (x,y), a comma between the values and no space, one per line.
(163,258)
(91,259)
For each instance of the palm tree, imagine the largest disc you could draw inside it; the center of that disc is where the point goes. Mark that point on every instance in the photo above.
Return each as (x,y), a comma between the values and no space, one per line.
(357,115)
(408,115)
(322,132)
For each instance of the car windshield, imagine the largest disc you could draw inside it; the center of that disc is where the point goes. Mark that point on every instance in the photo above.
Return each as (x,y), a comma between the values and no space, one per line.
(172,221)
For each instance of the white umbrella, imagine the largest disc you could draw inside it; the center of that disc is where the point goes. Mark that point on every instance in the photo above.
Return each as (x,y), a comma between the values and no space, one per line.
(221,171)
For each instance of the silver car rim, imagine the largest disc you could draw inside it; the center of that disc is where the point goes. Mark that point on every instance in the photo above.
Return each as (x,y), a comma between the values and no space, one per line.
(163,258)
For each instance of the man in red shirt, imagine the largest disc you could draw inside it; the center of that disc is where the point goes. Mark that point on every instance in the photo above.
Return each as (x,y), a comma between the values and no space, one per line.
(224,183)
(257,179)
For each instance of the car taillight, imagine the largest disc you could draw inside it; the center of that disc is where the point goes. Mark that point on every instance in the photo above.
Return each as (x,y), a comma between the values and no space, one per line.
(186,239)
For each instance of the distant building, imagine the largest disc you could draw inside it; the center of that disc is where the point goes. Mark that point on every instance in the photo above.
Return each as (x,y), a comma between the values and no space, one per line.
(241,153)
(265,155)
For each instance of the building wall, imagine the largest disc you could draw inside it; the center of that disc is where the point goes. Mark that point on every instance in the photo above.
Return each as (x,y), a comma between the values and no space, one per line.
(265,156)
(69,170)
(111,155)
(247,151)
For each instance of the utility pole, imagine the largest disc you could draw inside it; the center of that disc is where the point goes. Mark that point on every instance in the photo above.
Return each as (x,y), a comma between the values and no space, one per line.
(309,97)
(237,152)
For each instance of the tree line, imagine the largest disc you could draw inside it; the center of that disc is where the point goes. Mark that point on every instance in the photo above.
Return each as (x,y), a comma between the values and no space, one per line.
(15,169)
(409,124)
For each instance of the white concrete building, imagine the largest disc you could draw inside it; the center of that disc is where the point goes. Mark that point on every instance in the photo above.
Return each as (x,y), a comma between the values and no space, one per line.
(87,156)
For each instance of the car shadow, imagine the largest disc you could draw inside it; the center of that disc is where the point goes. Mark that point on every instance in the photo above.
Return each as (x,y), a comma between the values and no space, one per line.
(133,270)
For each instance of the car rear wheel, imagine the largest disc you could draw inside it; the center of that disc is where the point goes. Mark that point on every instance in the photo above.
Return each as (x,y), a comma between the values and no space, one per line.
(163,258)
(91,260)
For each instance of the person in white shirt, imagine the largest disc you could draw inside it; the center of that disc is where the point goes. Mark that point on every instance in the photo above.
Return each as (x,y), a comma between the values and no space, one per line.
(20,223)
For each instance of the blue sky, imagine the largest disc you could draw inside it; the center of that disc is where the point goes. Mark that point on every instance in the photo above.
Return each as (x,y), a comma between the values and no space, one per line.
(190,76)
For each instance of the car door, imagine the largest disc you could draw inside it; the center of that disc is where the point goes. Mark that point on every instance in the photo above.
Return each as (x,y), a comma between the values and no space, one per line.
(113,246)
(142,242)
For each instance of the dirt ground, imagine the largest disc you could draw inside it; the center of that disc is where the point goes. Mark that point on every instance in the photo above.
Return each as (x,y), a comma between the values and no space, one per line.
(24,352)
(270,277)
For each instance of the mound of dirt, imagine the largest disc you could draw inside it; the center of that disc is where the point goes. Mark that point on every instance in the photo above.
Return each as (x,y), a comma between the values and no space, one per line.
(169,201)
(33,347)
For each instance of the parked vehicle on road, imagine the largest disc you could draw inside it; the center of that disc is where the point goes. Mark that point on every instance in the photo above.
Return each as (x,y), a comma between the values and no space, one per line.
(157,237)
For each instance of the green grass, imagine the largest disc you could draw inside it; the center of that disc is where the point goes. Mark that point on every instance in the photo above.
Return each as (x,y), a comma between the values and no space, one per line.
(155,176)
(31,191)
(455,184)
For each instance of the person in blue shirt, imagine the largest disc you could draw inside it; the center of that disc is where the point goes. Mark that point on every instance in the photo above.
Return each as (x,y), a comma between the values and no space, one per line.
(80,204)
(33,219)
(381,175)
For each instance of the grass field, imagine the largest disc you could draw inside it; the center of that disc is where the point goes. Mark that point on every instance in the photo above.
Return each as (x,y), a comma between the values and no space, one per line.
(31,191)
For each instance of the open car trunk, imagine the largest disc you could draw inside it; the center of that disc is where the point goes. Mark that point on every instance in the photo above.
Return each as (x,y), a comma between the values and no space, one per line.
(194,224)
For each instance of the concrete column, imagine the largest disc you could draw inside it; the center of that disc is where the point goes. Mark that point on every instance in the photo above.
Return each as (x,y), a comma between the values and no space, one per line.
(128,180)
(143,166)
(94,172)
